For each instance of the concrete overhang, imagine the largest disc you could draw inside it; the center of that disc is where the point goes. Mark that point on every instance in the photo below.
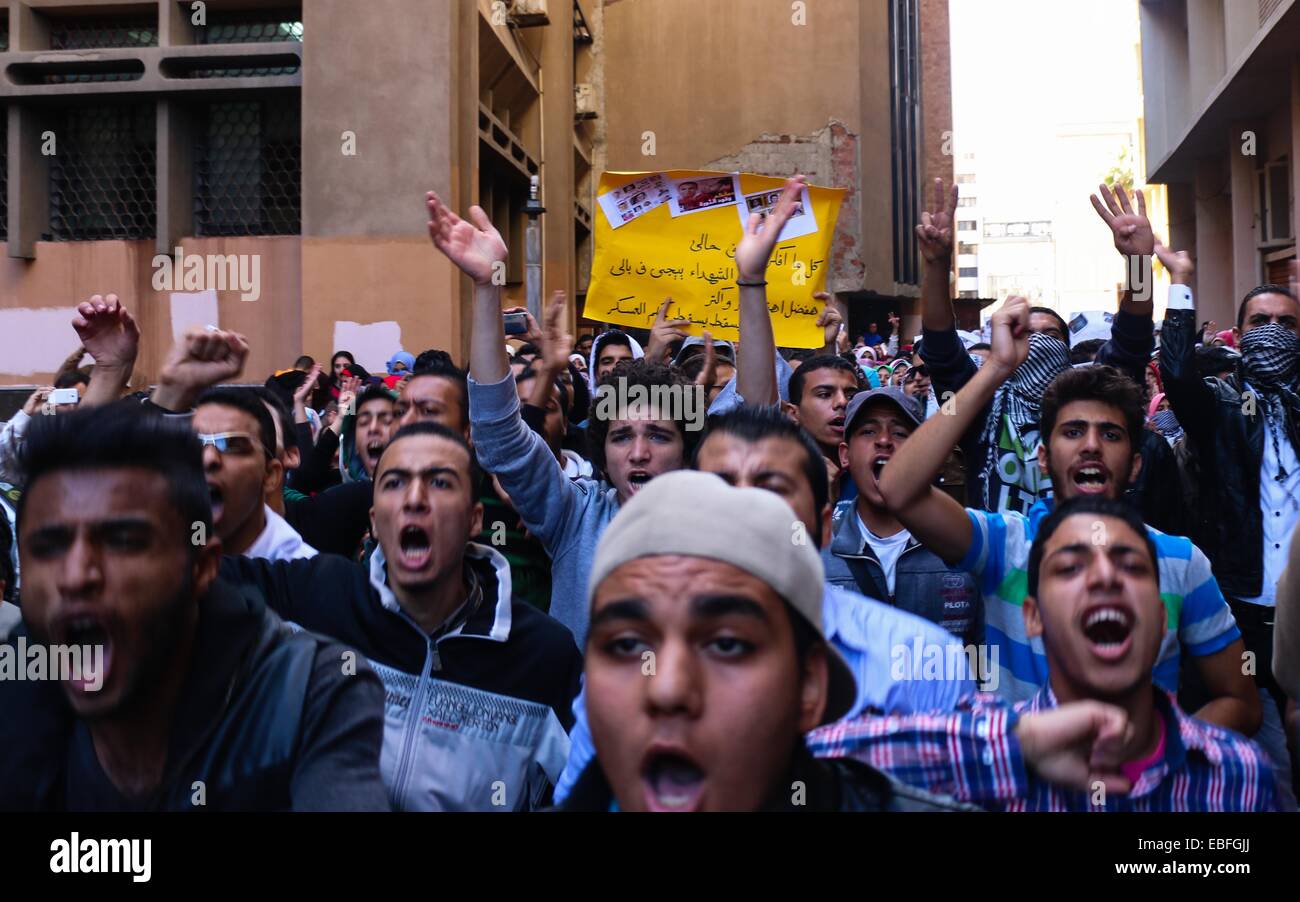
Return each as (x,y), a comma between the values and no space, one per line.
(1258,84)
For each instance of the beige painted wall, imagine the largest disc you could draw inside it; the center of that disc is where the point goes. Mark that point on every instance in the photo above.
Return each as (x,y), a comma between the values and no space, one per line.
(65,273)
(706,83)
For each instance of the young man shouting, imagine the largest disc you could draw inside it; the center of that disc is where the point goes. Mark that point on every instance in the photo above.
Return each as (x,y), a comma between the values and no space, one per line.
(1090,418)
(203,700)
(1093,597)
(870,551)
(707,661)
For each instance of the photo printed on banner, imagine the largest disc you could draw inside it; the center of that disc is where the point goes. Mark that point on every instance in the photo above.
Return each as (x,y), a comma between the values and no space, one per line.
(801,222)
(622,205)
(698,193)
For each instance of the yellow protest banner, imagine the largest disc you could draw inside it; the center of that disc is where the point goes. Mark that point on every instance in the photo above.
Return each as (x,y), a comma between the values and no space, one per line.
(673,234)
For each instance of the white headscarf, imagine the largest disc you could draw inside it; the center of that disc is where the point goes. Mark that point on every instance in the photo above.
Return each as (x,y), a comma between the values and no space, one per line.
(637,353)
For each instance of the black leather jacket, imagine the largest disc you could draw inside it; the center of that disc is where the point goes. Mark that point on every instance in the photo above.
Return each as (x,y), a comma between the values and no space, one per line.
(245,727)
(828,784)
(1226,438)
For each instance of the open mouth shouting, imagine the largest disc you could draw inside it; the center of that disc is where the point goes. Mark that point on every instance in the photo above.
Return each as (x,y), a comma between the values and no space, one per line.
(636,480)
(672,781)
(878,465)
(217,497)
(373,451)
(1091,477)
(836,426)
(1109,630)
(415,548)
(86,629)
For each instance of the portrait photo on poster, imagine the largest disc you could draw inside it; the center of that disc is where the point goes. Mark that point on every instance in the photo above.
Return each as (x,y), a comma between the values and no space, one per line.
(635,199)
(802,222)
(698,193)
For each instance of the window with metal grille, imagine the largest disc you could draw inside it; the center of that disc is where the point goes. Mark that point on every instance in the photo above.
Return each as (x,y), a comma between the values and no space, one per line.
(248,168)
(97,33)
(249,27)
(103,31)
(102,174)
(905,131)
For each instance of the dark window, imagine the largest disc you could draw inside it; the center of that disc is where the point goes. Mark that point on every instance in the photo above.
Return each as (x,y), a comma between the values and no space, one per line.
(249,27)
(103,31)
(966,225)
(102,175)
(968,272)
(248,168)
(905,132)
(967,295)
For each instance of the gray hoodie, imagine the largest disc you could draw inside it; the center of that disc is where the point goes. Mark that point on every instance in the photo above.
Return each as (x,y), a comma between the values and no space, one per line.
(566,515)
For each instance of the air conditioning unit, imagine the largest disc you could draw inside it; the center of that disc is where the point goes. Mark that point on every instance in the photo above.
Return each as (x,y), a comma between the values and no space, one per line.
(529,13)
(584,101)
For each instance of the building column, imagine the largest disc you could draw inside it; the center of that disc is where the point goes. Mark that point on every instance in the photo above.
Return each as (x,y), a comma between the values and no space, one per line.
(1182,220)
(1295,147)
(558,236)
(1245,257)
(1214,297)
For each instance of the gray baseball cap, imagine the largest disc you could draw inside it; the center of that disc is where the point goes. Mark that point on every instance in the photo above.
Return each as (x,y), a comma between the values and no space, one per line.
(748,528)
(895,395)
(725,350)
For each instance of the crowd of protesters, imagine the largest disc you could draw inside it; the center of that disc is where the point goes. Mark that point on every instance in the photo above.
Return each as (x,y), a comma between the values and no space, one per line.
(511,587)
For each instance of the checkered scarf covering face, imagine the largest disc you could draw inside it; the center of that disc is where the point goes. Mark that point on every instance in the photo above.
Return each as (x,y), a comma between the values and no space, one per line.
(1020,398)
(1270,361)
(1167,425)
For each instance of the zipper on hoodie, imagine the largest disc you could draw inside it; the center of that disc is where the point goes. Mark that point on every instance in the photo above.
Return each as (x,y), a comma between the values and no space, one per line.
(432,662)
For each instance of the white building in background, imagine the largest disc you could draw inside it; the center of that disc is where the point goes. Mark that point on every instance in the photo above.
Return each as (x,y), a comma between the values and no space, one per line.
(968,227)
(1088,270)
(1018,257)
(1045,242)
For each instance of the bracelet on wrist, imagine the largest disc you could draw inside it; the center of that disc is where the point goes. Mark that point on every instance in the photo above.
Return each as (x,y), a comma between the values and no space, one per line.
(758,284)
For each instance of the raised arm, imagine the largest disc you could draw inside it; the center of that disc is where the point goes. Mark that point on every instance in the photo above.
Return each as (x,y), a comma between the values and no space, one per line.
(755,376)
(110,335)
(1192,400)
(934,235)
(907,481)
(477,248)
(200,359)
(541,494)
(663,333)
(1133,331)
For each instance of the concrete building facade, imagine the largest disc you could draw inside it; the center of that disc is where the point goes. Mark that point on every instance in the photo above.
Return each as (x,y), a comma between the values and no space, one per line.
(303,134)
(1222,122)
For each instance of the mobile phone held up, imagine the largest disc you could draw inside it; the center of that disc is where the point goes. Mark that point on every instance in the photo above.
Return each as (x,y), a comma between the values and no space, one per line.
(63,396)
(515,323)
